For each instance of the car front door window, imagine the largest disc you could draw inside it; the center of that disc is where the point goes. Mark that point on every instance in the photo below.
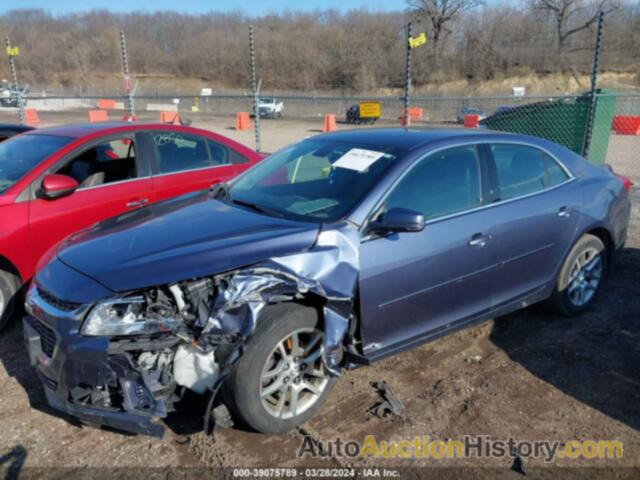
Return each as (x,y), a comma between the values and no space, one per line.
(109,162)
(444,183)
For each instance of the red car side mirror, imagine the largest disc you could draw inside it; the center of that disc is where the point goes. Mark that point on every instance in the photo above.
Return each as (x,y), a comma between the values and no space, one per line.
(57,186)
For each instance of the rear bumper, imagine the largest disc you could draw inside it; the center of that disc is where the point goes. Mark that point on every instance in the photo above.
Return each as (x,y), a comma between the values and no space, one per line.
(80,366)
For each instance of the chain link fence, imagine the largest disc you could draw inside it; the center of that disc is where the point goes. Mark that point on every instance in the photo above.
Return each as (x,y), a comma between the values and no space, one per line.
(615,126)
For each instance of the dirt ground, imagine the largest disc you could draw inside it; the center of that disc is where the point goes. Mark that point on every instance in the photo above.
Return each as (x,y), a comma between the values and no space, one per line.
(530,375)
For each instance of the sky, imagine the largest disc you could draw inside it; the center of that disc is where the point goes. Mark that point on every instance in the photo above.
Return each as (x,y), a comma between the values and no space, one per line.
(251,7)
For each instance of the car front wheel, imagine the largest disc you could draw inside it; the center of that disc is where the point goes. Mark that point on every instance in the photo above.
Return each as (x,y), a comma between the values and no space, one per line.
(280,381)
(581,276)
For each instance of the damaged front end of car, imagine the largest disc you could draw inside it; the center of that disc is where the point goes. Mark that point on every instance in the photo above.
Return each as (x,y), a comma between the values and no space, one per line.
(146,348)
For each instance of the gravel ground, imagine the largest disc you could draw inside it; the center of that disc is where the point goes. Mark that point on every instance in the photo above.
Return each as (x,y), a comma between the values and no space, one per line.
(530,375)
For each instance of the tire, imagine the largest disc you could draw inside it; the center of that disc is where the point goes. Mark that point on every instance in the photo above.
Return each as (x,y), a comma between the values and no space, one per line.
(574,281)
(9,292)
(245,388)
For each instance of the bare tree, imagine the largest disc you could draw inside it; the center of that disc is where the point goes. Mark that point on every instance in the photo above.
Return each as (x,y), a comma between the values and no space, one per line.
(323,51)
(573,16)
(439,13)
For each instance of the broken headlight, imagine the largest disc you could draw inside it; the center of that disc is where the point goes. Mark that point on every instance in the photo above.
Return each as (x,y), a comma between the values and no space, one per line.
(129,316)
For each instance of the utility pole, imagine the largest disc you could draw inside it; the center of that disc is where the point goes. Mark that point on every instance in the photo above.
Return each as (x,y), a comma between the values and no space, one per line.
(12,53)
(407,79)
(254,87)
(131,111)
(592,93)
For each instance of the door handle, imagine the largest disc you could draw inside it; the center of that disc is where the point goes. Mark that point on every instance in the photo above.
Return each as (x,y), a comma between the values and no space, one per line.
(138,203)
(479,240)
(564,212)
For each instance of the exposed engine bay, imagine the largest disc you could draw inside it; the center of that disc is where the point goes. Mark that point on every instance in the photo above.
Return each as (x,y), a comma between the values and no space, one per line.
(186,335)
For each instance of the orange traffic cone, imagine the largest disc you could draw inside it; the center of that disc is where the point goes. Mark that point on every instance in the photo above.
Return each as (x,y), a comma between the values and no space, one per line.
(329,123)
(242,121)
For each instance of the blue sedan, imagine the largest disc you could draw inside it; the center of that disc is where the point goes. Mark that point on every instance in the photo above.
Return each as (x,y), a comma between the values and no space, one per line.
(332,253)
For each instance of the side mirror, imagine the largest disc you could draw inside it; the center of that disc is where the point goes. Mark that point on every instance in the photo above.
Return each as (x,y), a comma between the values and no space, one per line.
(399,220)
(57,186)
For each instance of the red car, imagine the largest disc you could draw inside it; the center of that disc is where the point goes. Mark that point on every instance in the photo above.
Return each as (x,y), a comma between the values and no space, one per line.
(56,181)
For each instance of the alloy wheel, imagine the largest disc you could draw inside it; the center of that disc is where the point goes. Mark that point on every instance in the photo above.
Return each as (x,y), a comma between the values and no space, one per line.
(294,377)
(585,277)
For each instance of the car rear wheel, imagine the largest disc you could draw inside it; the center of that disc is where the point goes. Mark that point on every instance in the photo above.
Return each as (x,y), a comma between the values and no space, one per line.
(581,276)
(9,287)
(280,381)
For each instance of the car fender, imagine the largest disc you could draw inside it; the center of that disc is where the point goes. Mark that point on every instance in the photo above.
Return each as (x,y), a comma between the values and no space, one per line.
(606,205)
(15,241)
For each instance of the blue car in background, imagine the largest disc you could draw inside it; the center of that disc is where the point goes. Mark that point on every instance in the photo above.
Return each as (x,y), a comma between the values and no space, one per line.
(332,253)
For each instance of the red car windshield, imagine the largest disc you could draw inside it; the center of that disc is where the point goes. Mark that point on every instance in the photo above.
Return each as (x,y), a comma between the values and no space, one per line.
(20,154)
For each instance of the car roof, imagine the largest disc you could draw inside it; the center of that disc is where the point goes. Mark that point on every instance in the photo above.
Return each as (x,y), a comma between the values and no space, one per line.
(83,129)
(408,139)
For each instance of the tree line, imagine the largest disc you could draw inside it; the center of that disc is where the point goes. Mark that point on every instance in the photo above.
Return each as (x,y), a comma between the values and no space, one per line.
(354,52)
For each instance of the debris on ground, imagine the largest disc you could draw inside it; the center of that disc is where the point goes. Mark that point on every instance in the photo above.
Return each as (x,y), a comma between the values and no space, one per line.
(518,464)
(390,403)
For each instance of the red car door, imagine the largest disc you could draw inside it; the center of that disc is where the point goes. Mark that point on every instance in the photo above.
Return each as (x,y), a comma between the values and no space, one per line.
(186,162)
(113,175)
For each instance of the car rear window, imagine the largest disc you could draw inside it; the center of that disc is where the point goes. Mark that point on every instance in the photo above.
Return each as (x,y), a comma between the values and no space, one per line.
(20,154)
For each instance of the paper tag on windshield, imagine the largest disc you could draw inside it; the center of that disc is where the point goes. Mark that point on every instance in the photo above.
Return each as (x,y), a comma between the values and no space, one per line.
(358,159)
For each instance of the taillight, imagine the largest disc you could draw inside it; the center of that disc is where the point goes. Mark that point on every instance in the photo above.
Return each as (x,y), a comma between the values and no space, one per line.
(626,182)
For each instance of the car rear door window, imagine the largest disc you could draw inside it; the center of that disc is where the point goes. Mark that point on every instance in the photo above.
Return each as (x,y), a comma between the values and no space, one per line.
(219,153)
(441,184)
(522,170)
(555,172)
(178,152)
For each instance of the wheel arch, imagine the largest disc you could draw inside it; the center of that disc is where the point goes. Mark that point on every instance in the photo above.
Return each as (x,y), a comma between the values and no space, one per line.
(8,266)
(605,237)
(319,303)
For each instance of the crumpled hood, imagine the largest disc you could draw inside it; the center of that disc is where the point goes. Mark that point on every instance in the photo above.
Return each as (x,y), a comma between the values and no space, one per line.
(187,237)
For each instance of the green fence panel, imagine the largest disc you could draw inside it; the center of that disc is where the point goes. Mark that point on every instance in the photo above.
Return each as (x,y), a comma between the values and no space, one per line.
(561,120)
(601,130)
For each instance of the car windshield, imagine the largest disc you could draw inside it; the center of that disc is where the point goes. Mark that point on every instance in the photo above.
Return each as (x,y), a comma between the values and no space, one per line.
(266,100)
(313,180)
(20,154)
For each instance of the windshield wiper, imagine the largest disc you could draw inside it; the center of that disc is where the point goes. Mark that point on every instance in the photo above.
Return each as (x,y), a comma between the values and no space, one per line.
(220,191)
(256,208)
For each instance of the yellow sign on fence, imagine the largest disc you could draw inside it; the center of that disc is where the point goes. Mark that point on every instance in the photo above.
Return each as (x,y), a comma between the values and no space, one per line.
(369,109)
(13,51)
(417,41)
